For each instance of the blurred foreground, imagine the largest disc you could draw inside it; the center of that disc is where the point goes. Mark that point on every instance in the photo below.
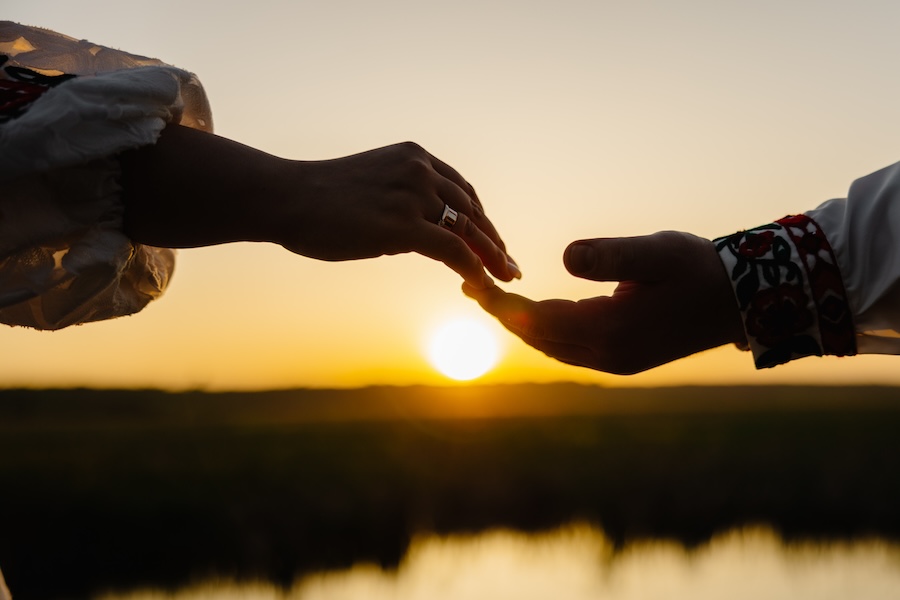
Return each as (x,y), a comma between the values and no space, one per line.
(123,489)
(576,562)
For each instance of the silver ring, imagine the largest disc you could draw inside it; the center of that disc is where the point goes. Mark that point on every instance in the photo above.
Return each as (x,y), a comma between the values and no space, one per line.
(448,219)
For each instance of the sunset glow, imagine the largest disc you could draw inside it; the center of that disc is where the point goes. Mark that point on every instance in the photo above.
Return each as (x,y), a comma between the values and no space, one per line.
(463,349)
(572,120)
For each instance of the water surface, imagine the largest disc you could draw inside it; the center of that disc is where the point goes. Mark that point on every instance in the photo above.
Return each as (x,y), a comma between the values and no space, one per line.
(578,562)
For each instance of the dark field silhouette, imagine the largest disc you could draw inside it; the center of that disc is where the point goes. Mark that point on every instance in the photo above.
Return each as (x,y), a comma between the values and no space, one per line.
(115,489)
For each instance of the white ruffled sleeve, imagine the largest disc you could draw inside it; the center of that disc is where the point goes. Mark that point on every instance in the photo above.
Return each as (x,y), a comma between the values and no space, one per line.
(864,230)
(64,258)
(825,282)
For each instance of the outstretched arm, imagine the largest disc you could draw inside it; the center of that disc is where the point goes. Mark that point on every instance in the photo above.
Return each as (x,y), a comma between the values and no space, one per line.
(826,282)
(193,188)
(674,298)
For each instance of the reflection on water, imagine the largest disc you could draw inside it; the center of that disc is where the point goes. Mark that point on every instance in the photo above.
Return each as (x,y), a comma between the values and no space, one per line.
(578,562)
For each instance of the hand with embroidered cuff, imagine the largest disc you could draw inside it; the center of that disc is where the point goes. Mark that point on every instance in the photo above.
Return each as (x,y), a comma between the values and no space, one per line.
(673,299)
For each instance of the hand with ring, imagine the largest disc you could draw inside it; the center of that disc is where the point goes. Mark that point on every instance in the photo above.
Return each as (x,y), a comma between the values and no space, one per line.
(193,188)
(402,199)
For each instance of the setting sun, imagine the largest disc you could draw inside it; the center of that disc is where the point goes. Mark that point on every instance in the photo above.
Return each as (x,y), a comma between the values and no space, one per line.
(463,349)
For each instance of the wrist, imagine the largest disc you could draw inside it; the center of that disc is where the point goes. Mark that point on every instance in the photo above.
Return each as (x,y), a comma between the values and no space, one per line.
(789,290)
(728,314)
(293,201)
(193,189)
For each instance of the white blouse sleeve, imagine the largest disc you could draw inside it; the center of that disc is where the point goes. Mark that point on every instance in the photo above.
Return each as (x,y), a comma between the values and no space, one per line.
(864,230)
(825,282)
(64,259)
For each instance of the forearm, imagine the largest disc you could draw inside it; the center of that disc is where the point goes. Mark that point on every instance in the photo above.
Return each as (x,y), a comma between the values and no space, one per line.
(193,189)
(196,189)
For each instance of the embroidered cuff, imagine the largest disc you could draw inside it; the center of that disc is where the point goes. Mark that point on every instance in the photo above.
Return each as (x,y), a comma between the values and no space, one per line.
(789,290)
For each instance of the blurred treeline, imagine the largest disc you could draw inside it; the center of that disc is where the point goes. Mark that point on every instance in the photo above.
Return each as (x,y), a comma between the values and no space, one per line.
(116,489)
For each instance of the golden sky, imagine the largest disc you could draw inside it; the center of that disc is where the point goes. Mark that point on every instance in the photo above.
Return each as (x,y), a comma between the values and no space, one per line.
(573,119)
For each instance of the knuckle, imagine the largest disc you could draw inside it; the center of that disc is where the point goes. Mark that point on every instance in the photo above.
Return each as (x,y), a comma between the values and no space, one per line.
(499,255)
(411,148)
(419,170)
(466,207)
(624,255)
(457,248)
(679,243)
(470,191)
(412,164)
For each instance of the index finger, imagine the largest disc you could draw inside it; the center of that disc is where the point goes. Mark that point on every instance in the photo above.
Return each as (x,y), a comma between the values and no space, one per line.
(559,321)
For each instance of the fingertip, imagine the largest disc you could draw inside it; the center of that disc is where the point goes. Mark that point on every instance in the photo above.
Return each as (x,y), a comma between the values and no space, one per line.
(479,284)
(513,268)
(579,258)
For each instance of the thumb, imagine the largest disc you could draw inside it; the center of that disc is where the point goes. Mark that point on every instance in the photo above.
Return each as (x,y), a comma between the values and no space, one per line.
(641,258)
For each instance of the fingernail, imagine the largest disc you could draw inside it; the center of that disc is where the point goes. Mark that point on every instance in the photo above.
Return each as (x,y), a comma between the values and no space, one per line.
(579,258)
(513,268)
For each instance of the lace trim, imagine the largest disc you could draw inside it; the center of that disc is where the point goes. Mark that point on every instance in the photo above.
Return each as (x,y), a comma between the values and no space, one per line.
(789,290)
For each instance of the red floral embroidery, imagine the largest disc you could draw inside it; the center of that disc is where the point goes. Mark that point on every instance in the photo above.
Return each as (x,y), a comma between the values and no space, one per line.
(810,244)
(791,220)
(777,314)
(756,244)
(835,322)
(789,289)
(20,87)
(16,95)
